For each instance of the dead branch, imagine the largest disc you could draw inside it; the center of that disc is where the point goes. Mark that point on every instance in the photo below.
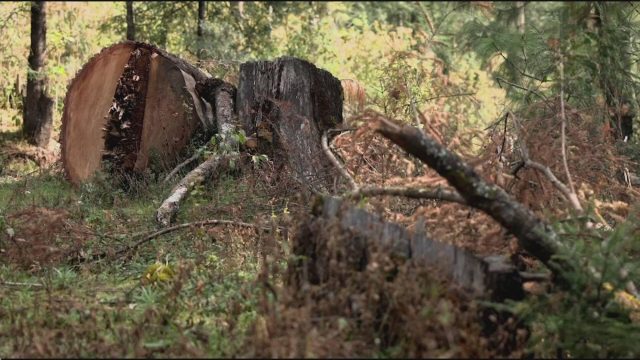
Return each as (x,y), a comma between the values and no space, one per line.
(183,164)
(155,234)
(533,234)
(12,283)
(563,138)
(222,95)
(336,163)
(170,206)
(566,192)
(438,193)
(526,161)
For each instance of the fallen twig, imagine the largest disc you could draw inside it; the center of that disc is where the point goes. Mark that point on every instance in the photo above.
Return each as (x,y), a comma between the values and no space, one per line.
(155,234)
(563,138)
(527,162)
(438,193)
(223,97)
(12,283)
(183,164)
(336,163)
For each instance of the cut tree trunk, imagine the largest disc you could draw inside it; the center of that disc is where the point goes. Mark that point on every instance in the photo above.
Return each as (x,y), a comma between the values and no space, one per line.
(38,109)
(129,103)
(288,104)
(335,227)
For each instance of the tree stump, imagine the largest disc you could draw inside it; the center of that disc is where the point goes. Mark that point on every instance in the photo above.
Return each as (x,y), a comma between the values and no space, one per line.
(287,104)
(130,101)
(335,224)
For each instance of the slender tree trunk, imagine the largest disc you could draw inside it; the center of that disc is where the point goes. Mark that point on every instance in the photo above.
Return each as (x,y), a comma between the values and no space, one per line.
(202,7)
(38,110)
(613,65)
(131,26)
(521,18)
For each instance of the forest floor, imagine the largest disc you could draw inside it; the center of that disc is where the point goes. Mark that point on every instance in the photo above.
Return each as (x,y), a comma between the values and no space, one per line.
(197,291)
(221,291)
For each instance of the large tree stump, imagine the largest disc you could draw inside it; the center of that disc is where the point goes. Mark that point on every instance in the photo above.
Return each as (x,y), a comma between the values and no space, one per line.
(130,101)
(288,104)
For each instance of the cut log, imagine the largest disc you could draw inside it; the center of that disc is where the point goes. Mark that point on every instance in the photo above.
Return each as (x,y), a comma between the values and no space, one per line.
(128,102)
(288,104)
(334,223)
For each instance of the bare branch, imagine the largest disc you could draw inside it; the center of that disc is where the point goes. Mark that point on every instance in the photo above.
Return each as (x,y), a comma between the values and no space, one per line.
(12,283)
(169,208)
(155,234)
(563,138)
(183,164)
(336,163)
(573,199)
(438,193)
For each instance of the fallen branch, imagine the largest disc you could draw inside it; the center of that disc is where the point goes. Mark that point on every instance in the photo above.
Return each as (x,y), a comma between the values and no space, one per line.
(566,192)
(155,234)
(438,193)
(12,283)
(221,94)
(170,206)
(183,164)
(527,162)
(336,163)
(534,235)
(563,137)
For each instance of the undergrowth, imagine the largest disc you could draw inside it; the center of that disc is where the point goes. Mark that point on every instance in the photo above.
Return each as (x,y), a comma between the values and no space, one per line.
(53,306)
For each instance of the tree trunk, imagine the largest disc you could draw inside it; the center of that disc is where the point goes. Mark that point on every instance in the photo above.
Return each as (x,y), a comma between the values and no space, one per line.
(201,16)
(613,63)
(288,104)
(335,227)
(521,16)
(38,110)
(131,25)
(128,103)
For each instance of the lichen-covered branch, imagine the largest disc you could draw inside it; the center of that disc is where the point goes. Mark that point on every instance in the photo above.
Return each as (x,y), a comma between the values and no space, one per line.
(534,235)
(170,206)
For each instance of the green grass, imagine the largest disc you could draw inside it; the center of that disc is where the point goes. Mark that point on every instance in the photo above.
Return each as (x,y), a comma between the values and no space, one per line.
(105,308)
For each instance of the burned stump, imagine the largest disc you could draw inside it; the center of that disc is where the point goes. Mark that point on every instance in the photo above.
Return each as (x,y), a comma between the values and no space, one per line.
(287,104)
(128,102)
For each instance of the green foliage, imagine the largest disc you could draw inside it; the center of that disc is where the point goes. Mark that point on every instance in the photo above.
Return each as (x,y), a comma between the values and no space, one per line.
(589,320)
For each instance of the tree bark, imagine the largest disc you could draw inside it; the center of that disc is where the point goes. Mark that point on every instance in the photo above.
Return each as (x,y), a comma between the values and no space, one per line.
(288,104)
(38,110)
(534,235)
(131,25)
(335,226)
